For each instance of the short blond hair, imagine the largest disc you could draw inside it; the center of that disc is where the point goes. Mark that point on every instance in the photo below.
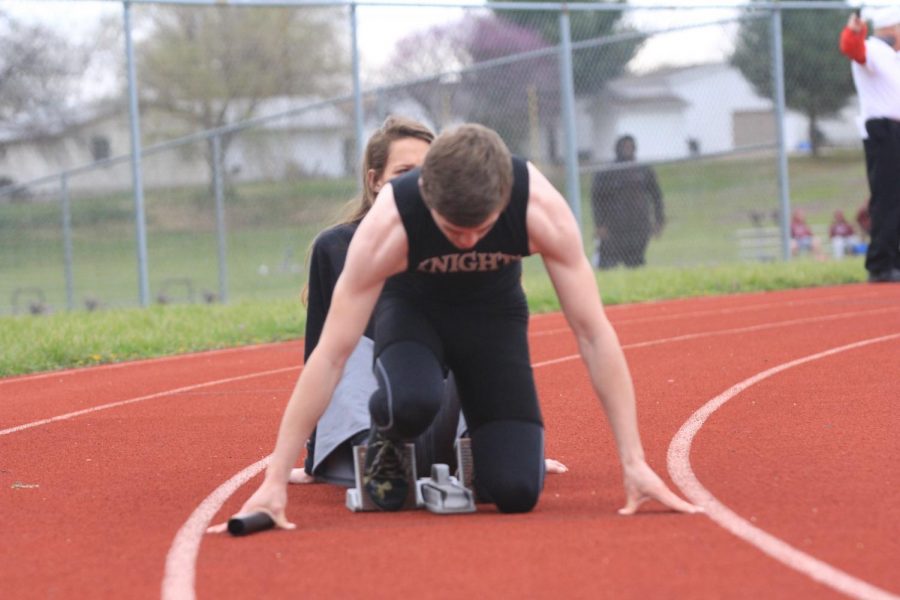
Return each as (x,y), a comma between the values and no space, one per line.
(467,175)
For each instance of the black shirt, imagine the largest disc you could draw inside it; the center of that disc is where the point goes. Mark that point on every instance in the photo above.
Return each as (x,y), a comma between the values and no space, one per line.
(443,272)
(329,254)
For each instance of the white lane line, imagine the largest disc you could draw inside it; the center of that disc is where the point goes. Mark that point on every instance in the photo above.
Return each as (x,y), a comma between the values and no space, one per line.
(703,334)
(141,362)
(181,562)
(182,557)
(679,338)
(186,546)
(768,325)
(683,475)
(540,316)
(825,301)
(180,390)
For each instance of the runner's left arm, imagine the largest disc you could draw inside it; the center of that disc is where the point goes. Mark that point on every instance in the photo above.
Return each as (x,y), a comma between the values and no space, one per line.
(554,233)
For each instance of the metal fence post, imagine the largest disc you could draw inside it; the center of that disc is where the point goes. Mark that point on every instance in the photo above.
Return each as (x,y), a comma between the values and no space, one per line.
(780,112)
(357,91)
(67,240)
(220,217)
(567,98)
(136,175)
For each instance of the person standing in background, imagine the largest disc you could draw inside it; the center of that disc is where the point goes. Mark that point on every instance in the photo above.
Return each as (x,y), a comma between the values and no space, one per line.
(627,208)
(876,75)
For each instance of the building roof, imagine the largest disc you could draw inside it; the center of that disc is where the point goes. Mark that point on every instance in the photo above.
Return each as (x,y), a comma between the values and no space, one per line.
(658,86)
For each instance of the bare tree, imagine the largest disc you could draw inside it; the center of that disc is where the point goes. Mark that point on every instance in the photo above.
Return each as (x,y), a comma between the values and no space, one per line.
(480,68)
(39,70)
(428,63)
(214,65)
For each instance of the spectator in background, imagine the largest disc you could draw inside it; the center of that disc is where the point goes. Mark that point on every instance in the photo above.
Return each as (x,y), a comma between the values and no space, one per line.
(627,208)
(843,237)
(802,237)
(876,74)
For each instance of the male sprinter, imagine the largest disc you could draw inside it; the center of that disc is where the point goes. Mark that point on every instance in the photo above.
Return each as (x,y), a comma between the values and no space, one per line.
(454,235)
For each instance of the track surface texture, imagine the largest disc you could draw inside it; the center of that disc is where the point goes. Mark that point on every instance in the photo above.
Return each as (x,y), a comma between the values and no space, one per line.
(778,412)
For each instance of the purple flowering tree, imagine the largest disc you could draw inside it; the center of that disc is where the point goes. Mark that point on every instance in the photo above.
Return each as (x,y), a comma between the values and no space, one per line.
(485,70)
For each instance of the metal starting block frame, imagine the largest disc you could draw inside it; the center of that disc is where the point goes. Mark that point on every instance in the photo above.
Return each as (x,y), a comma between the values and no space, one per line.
(441,493)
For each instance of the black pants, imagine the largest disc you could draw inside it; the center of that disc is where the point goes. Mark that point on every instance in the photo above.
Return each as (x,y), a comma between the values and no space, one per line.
(628,248)
(434,445)
(882,150)
(486,348)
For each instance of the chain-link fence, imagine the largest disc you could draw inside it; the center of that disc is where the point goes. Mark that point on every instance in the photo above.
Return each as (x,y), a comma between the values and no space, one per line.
(664,127)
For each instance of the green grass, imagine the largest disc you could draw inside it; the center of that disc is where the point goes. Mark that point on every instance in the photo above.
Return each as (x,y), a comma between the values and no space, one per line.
(270,226)
(72,339)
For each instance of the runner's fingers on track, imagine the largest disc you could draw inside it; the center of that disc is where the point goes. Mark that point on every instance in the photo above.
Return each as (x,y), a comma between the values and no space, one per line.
(269,498)
(554,466)
(218,528)
(642,484)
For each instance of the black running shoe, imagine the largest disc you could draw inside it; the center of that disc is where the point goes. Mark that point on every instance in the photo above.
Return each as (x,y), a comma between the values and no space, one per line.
(386,474)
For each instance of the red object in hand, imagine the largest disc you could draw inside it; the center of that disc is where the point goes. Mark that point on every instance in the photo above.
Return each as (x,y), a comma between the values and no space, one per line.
(853,43)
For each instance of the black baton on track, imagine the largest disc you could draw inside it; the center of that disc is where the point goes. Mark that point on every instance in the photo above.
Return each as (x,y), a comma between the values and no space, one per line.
(250,523)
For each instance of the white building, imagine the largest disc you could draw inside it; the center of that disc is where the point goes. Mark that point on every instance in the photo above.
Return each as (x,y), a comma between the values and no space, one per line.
(673,113)
(707,108)
(314,139)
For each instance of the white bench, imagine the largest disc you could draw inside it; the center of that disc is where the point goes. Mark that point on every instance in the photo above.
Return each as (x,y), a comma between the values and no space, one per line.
(764,243)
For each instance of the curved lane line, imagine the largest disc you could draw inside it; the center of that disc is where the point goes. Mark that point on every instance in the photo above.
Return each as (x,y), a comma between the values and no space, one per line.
(680,469)
(181,561)
(179,575)
(178,581)
(171,392)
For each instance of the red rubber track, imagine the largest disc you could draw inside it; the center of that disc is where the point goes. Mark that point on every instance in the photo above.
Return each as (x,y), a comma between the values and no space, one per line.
(91,503)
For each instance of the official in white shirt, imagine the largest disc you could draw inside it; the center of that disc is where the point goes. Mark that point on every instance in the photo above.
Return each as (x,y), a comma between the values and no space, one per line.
(876,74)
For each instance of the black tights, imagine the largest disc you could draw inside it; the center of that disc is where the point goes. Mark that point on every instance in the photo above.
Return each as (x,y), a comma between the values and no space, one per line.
(412,404)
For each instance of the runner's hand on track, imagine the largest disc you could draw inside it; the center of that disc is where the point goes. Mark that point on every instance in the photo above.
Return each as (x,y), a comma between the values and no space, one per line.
(642,484)
(270,498)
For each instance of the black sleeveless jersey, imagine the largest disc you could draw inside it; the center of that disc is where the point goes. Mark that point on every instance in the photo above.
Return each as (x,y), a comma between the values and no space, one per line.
(441,271)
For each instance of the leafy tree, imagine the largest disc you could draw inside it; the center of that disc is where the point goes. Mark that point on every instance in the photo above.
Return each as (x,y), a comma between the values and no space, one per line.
(593,66)
(817,78)
(39,70)
(214,65)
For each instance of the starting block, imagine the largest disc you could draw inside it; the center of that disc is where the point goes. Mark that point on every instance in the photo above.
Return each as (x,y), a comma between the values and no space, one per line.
(441,493)
(465,471)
